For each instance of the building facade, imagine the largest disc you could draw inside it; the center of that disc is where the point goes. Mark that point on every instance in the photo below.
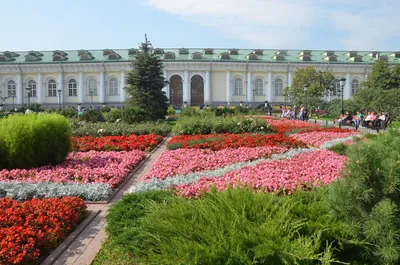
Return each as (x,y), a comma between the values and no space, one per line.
(196,76)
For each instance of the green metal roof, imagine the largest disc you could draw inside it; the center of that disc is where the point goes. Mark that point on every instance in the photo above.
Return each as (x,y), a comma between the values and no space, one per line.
(200,54)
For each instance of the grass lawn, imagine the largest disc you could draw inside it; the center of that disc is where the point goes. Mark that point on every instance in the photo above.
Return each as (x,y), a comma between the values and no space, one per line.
(323,118)
(395,124)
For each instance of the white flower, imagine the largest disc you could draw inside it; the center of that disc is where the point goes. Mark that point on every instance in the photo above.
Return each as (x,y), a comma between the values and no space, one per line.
(262,128)
(101,131)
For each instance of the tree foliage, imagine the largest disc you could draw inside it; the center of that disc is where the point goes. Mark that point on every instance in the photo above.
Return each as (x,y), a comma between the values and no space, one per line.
(146,81)
(317,82)
(381,91)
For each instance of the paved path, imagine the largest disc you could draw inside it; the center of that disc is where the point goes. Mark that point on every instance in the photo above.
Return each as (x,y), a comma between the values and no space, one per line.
(85,247)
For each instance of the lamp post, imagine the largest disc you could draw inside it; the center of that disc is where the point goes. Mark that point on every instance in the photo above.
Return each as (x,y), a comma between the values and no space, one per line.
(172,98)
(254,93)
(184,104)
(13,96)
(306,90)
(29,89)
(59,98)
(342,83)
(91,97)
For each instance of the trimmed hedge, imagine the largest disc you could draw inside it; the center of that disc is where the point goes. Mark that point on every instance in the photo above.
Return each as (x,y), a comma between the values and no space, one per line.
(34,140)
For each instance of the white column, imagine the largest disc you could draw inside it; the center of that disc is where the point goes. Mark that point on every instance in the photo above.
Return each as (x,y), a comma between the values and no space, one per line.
(20,89)
(40,91)
(249,88)
(81,88)
(186,91)
(269,89)
(122,89)
(61,86)
(347,89)
(166,88)
(289,78)
(207,92)
(102,96)
(228,87)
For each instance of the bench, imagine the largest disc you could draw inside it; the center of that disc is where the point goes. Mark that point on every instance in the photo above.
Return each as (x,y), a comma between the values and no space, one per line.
(348,122)
(382,124)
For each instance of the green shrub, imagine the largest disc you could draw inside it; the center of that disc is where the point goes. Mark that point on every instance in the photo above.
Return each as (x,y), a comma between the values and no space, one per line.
(68,113)
(224,111)
(231,227)
(120,128)
(189,112)
(207,124)
(171,111)
(368,198)
(93,115)
(105,109)
(340,149)
(34,140)
(135,115)
(113,115)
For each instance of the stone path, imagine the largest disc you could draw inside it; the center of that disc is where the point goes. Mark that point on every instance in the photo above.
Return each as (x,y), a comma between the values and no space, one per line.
(84,248)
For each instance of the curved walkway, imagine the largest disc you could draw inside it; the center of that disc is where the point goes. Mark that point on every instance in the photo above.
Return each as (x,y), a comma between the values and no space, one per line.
(87,244)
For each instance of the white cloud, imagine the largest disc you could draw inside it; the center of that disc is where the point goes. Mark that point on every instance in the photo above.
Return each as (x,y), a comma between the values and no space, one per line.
(270,23)
(357,24)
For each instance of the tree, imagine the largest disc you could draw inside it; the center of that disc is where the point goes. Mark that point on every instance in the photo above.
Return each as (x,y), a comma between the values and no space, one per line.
(381,91)
(146,81)
(317,82)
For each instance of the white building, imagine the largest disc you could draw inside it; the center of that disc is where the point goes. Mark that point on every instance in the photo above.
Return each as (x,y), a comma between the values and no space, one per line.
(197,76)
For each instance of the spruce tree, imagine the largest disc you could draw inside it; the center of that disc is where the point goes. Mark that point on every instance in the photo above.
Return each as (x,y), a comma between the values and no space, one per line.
(146,81)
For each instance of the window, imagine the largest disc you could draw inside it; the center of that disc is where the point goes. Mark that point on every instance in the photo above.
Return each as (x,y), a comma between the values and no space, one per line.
(92,87)
(72,88)
(258,87)
(238,86)
(113,87)
(32,86)
(278,87)
(11,89)
(52,87)
(336,87)
(354,86)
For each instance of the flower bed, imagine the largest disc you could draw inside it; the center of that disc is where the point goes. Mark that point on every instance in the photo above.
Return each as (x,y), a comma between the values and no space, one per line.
(116,143)
(82,167)
(283,125)
(317,138)
(286,174)
(184,161)
(31,230)
(227,140)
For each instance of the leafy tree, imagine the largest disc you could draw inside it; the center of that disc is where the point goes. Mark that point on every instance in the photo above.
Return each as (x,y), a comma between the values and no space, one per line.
(145,83)
(317,82)
(381,91)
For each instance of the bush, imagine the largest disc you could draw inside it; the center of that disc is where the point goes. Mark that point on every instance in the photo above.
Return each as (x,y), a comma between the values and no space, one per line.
(105,109)
(34,140)
(340,149)
(93,115)
(208,124)
(171,111)
(135,115)
(230,227)
(68,113)
(368,198)
(113,115)
(120,128)
(189,112)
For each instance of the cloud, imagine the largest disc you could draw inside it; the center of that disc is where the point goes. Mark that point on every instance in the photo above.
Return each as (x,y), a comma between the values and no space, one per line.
(270,23)
(356,24)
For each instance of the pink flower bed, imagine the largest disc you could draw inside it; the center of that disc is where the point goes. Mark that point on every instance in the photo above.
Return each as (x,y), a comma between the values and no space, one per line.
(82,167)
(308,169)
(318,138)
(185,161)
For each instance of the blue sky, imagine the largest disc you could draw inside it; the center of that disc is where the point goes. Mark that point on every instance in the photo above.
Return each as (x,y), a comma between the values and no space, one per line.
(264,24)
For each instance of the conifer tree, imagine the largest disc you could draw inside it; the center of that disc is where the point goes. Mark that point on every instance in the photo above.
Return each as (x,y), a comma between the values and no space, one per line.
(145,83)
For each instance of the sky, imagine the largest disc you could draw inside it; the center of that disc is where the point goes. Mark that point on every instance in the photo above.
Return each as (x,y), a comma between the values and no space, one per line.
(244,24)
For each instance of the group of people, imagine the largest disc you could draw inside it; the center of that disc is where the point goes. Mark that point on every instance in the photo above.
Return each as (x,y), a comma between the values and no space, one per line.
(372,119)
(294,113)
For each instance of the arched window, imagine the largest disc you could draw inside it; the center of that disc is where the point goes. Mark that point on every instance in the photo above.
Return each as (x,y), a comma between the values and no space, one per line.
(11,89)
(72,88)
(113,87)
(354,86)
(278,87)
(258,87)
(238,86)
(336,87)
(32,86)
(52,87)
(92,87)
